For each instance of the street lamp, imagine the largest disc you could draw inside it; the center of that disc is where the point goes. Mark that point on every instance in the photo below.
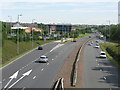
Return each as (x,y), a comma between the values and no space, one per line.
(32,33)
(109,28)
(10,23)
(18,34)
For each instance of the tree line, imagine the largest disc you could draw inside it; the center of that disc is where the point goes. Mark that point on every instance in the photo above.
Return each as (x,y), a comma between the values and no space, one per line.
(111,32)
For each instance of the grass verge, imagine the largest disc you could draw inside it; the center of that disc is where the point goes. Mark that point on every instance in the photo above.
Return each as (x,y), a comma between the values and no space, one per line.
(9,52)
(112,52)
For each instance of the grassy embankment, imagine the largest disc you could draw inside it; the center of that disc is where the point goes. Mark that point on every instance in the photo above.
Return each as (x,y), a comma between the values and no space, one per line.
(9,50)
(112,51)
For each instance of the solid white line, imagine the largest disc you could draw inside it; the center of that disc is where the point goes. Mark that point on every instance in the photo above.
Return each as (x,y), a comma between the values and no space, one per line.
(8,83)
(104,78)
(34,77)
(23,56)
(42,69)
(23,88)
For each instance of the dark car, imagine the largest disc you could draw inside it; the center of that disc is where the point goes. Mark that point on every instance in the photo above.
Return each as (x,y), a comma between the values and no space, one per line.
(40,48)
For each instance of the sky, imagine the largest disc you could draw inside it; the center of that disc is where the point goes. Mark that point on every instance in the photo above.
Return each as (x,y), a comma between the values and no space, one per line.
(60,11)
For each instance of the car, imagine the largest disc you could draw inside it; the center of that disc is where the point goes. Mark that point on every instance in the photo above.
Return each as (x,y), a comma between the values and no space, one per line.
(43,58)
(40,48)
(102,54)
(97,41)
(89,36)
(90,44)
(97,46)
(74,40)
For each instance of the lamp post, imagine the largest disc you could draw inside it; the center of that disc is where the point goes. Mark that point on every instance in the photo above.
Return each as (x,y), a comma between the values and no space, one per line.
(32,33)
(18,34)
(109,28)
(10,24)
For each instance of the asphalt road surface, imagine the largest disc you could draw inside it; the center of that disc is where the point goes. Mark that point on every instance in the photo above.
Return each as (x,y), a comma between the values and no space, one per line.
(27,72)
(99,72)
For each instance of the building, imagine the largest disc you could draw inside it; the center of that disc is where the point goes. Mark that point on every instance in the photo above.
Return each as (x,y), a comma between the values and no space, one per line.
(27,29)
(58,28)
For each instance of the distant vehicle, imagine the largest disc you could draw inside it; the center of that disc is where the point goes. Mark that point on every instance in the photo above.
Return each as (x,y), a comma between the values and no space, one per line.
(97,41)
(102,54)
(40,48)
(97,46)
(43,58)
(89,36)
(90,44)
(74,40)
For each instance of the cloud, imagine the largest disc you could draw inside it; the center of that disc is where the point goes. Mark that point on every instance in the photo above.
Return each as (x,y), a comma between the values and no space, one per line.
(20,5)
(59,1)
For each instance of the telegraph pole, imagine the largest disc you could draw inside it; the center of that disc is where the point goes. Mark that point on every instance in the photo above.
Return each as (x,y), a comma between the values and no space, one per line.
(18,34)
(10,23)
(32,34)
(109,29)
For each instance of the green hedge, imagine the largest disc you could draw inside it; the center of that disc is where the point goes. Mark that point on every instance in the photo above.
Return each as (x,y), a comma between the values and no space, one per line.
(113,50)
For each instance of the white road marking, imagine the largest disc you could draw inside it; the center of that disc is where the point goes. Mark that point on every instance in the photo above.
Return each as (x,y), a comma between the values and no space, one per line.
(42,69)
(34,77)
(57,46)
(11,78)
(104,78)
(52,59)
(23,88)
(25,74)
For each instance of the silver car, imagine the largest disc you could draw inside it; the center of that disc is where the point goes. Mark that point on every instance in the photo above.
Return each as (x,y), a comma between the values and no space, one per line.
(43,58)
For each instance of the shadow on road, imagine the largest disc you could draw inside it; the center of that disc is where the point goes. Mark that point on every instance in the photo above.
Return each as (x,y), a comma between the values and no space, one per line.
(110,74)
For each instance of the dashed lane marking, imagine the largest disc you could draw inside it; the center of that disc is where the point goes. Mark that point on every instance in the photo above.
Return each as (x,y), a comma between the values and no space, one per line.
(104,78)
(47,63)
(34,77)
(42,69)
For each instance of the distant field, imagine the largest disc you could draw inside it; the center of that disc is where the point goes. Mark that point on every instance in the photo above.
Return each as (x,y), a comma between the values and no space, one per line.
(9,50)
(113,51)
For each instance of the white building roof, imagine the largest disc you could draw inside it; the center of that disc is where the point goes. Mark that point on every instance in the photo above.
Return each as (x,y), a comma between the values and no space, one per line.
(19,27)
